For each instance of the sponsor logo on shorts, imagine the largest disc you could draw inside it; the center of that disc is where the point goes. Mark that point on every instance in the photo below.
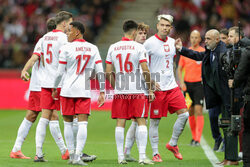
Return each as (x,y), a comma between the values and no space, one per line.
(156,112)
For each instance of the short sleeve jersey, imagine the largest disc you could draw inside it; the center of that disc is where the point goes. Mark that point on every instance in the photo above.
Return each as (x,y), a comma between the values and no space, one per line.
(161,58)
(80,58)
(126,56)
(52,42)
(192,67)
(36,75)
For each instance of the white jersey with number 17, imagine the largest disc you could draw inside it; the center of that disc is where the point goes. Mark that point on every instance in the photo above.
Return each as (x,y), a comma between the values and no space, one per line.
(52,42)
(161,58)
(126,56)
(80,58)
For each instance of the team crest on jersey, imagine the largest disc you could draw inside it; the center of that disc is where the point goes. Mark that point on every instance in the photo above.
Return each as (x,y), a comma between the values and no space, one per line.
(166,48)
(156,112)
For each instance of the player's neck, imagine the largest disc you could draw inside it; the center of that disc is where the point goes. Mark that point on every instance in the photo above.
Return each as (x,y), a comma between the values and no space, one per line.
(163,37)
(60,27)
(128,36)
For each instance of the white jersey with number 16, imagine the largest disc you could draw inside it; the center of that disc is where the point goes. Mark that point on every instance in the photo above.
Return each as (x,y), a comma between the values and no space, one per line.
(126,56)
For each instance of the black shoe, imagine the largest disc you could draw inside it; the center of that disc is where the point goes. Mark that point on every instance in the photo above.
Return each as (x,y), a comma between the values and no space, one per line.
(192,143)
(196,143)
(88,158)
(39,159)
(217,144)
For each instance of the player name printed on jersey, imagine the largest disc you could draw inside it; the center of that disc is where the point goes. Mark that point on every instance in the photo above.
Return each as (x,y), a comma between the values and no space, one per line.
(51,45)
(37,69)
(126,56)
(161,57)
(80,58)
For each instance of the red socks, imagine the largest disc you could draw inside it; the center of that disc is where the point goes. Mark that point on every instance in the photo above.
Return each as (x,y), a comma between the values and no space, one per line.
(192,124)
(196,126)
(199,127)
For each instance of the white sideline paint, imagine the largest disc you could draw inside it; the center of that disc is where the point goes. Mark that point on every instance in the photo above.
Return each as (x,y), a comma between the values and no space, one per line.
(209,153)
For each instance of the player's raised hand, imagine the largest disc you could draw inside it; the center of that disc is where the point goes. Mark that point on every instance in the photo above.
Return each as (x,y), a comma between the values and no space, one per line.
(25,75)
(178,44)
(101,99)
(151,96)
(54,94)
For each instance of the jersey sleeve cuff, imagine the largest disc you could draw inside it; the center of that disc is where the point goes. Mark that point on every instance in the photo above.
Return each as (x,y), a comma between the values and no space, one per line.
(62,62)
(144,60)
(98,61)
(38,54)
(108,62)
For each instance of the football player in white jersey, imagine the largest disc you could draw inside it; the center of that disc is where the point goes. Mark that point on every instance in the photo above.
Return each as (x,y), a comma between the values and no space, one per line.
(131,136)
(129,100)
(79,58)
(34,100)
(161,51)
(52,41)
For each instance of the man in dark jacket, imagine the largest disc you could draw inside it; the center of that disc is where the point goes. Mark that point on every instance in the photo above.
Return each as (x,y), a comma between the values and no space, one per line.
(216,90)
(242,78)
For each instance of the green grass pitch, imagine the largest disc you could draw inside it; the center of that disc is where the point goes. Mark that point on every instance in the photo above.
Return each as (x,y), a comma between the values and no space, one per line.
(101,142)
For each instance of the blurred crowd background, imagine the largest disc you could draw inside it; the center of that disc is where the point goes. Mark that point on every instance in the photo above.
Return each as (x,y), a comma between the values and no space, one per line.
(23,22)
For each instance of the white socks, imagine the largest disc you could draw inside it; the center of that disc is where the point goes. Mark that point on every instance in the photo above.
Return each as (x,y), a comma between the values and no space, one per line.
(22,133)
(142,139)
(40,135)
(154,135)
(57,135)
(130,137)
(75,128)
(81,138)
(178,128)
(69,136)
(119,138)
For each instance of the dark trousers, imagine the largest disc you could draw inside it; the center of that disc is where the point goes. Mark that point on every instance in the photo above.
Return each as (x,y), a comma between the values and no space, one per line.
(213,117)
(246,135)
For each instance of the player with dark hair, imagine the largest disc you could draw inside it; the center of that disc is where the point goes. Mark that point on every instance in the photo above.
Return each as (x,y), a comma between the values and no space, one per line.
(77,57)
(129,102)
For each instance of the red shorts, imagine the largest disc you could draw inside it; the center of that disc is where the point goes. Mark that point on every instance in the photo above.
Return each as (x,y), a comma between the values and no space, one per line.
(34,101)
(170,100)
(73,106)
(127,106)
(47,102)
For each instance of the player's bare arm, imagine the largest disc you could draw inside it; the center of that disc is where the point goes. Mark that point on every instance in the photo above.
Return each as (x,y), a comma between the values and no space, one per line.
(24,74)
(101,79)
(147,77)
(109,75)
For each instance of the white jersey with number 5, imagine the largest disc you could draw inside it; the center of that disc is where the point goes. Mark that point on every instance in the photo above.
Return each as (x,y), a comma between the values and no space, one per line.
(36,75)
(52,42)
(126,56)
(81,58)
(161,57)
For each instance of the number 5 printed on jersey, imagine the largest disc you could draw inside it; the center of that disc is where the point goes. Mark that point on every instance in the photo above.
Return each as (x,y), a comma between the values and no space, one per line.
(49,60)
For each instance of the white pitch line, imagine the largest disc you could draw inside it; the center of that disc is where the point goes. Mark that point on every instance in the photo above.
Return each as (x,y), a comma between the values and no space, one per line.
(209,153)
